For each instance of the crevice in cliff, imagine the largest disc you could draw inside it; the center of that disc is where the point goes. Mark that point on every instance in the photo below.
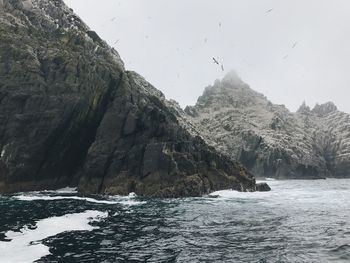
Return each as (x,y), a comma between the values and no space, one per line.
(111,155)
(74,142)
(106,168)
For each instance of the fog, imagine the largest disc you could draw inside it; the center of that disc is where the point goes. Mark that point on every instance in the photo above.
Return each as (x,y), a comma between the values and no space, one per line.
(290,50)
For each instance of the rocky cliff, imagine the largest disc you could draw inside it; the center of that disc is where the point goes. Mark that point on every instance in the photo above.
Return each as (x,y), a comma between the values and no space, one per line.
(70,114)
(268,139)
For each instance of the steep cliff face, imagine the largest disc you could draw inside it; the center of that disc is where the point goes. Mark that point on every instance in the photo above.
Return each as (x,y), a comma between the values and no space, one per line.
(141,147)
(331,127)
(56,82)
(71,115)
(268,139)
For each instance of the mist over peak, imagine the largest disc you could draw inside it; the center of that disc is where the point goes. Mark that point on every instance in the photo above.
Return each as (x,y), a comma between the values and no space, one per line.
(232,77)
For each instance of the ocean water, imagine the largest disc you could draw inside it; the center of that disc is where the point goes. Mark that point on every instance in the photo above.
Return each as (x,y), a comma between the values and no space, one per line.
(298,221)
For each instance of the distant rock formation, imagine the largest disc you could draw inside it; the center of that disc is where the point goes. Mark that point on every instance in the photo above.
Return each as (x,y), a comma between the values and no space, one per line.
(324,109)
(70,114)
(268,139)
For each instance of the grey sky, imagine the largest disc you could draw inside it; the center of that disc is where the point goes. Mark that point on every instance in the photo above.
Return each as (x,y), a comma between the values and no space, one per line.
(172,42)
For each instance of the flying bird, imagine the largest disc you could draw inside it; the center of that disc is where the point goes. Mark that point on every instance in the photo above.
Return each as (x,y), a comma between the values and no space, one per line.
(220,24)
(286,56)
(215,61)
(114,18)
(295,44)
(270,10)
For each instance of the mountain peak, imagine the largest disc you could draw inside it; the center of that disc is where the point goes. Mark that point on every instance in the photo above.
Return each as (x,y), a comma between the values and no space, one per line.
(303,108)
(325,108)
(270,140)
(233,78)
(230,92)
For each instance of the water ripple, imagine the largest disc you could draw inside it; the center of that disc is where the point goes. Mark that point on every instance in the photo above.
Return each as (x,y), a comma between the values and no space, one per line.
(299,221)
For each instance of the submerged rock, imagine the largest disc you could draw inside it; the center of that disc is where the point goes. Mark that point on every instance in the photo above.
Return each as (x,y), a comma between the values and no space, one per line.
(263,187)
(70,114)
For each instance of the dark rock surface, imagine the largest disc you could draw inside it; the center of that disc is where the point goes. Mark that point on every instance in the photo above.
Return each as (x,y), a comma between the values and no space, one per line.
(263,187)
(268,139)
(70,114)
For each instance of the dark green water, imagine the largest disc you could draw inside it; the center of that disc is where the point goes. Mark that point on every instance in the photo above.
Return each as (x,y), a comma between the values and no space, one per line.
(298,221)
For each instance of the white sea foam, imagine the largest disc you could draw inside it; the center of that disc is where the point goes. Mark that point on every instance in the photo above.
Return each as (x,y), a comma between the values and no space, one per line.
(131,202)
(24,246)
(242,195)
(65,190)
(291,192)
(123,200)
(270,179)
(232,194)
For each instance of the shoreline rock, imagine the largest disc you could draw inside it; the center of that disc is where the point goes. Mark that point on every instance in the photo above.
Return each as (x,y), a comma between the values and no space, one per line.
(263,187)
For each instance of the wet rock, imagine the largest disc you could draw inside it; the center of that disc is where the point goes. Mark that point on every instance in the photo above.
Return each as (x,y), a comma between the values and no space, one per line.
(263,187)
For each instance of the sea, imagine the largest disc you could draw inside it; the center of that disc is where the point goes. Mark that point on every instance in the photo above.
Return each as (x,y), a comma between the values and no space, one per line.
(298,221)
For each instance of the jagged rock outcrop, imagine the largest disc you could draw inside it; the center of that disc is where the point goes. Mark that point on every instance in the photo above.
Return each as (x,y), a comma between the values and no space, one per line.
(141,147)
(324,109)
(70,114)
(331,129)
(268,139)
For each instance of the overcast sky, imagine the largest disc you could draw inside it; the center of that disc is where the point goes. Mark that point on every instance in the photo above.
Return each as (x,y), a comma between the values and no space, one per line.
(299,50)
